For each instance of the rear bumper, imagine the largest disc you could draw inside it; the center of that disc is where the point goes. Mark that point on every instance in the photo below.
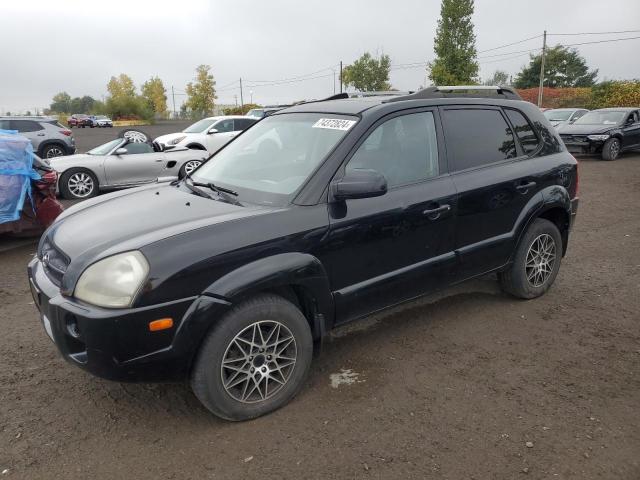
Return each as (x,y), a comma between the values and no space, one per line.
(116,344)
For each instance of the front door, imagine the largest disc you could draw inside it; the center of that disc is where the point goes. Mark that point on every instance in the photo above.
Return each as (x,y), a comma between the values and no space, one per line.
(139,165)
(391,248)
(225,132)
(631,130)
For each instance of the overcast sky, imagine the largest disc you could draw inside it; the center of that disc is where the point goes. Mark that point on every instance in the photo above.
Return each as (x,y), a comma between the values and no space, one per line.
(76,45)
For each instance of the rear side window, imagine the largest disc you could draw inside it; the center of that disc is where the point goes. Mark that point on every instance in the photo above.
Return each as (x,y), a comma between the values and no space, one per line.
(477,137)
(242,123)
(524,131)
(224,126)
(25,125)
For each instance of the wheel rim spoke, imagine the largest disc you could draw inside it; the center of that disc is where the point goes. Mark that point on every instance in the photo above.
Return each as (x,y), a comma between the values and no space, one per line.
(258,361)
(540,260)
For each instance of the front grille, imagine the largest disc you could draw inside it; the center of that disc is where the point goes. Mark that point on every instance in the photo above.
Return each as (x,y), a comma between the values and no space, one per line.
(55,262)
(574,138)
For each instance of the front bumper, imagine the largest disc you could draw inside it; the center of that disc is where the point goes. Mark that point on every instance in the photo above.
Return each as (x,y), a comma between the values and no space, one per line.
(116,343)
(574,211)
(584,147)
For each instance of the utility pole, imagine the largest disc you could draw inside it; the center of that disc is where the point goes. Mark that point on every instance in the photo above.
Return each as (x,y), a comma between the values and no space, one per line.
(173,95)
(241,100)
(541,86)
(340,76)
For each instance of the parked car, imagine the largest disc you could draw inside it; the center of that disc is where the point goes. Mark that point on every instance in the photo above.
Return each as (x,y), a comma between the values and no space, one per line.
(124,162)
(102,121)
(79,120)
(210,134)
(265,111)
(564,116)
(361,205)
(607,131)
(48,137)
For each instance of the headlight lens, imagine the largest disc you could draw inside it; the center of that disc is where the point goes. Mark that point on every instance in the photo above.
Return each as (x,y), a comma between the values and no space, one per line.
(114,281)
(176,141)
(598,137)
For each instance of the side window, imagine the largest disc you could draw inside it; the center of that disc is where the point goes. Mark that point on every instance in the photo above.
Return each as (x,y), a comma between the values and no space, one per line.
(4,125)
(242,123)
(403,149)
(25,125)
(578,114)
(524,131)
(138,147)
(224,126)
(477,137)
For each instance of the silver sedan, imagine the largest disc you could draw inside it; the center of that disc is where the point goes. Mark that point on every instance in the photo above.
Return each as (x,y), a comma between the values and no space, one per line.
(121,163)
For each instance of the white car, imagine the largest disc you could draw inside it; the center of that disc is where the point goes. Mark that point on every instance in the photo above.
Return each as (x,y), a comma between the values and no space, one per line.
(209,134)
(564,116)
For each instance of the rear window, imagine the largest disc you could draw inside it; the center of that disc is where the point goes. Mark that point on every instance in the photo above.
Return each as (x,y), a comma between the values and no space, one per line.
(477,137)
(524,131)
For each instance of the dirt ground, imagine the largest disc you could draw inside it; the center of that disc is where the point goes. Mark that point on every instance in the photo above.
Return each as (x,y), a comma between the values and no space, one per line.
(471,384)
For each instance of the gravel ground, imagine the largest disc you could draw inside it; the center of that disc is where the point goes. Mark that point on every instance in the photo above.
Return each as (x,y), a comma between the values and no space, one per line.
(470,384)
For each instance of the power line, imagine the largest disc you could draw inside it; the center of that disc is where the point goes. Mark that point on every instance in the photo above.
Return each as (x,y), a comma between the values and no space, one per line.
(600,41)
(284,82)
(509,44)
(596,33)
(297,77)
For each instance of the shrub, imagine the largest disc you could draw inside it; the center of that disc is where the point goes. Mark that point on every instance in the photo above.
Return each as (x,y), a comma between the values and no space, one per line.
(128,108)
(616,94)
(240,110)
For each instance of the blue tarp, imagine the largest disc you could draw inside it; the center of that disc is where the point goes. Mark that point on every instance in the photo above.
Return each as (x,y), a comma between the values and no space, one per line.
(16,173)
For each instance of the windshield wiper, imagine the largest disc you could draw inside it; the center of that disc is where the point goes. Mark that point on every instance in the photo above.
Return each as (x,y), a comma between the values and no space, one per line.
(221,191)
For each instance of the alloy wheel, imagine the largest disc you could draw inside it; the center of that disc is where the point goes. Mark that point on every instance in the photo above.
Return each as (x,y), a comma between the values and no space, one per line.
(54,152)
(191,166)
(540,260)
(81,184)
(614,149)
(259,361)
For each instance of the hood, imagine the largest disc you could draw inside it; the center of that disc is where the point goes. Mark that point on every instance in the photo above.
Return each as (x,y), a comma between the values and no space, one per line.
(133,218)
(574,129)
(171,136)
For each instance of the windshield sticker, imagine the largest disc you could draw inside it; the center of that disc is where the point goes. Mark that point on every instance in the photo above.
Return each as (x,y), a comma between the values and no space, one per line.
(334,123)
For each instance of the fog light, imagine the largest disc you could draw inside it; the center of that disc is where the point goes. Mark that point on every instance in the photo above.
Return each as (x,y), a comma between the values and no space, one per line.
(161,324)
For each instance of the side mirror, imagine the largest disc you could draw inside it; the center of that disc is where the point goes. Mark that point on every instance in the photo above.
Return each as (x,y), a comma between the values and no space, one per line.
(121,151)
(361,183)
(166,179)
(212,131)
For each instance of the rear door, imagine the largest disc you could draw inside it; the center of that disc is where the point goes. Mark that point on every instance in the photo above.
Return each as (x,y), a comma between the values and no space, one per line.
(139,165)
(30,129)
(387,249)
(495,178)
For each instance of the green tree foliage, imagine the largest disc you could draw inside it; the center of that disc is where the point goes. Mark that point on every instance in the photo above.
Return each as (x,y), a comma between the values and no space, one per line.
(121,86)
(238,110)
(156,95)
(368,74)
(563,68)
(454,45)
(128,108)
(201,93)
(499,77)
(61,103)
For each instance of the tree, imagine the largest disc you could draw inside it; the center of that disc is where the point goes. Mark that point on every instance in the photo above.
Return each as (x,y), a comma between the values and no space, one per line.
(61,103)
(201,94)
(368,74)
(121,86)
(156,95)
(454,45)
(563,67)
(499,77)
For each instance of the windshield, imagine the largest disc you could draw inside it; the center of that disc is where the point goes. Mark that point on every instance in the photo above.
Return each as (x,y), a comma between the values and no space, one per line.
(603,117)
(558,115)
(105,148)
(255,112)
(272,159)
(201,126)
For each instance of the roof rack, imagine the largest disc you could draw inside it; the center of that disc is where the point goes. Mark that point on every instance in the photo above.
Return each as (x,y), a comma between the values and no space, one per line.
(385,93)
(465,91)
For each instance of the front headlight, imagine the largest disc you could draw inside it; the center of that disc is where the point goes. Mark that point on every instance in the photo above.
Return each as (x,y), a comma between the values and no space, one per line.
(598,138)
(176,141)
(114,281)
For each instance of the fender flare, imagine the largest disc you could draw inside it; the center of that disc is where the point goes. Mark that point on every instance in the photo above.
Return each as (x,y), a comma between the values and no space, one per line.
(292,269)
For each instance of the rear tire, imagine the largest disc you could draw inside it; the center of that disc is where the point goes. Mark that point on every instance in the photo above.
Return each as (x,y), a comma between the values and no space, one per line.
(536,262)
(52,150)
(78,184)
(254,360)
(188,167)
(611,149)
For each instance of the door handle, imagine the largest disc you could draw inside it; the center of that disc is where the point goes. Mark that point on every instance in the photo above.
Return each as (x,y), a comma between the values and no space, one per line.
(434,213)
(157,161)
(40,134)
(524,187)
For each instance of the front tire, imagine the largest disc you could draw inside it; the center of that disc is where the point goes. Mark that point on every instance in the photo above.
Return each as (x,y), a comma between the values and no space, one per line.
(254,360)
(536,262)
(611,149)
(78,184)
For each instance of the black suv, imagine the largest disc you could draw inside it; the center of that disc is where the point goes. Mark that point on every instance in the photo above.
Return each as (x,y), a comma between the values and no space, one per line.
(315,216)
(608,131)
